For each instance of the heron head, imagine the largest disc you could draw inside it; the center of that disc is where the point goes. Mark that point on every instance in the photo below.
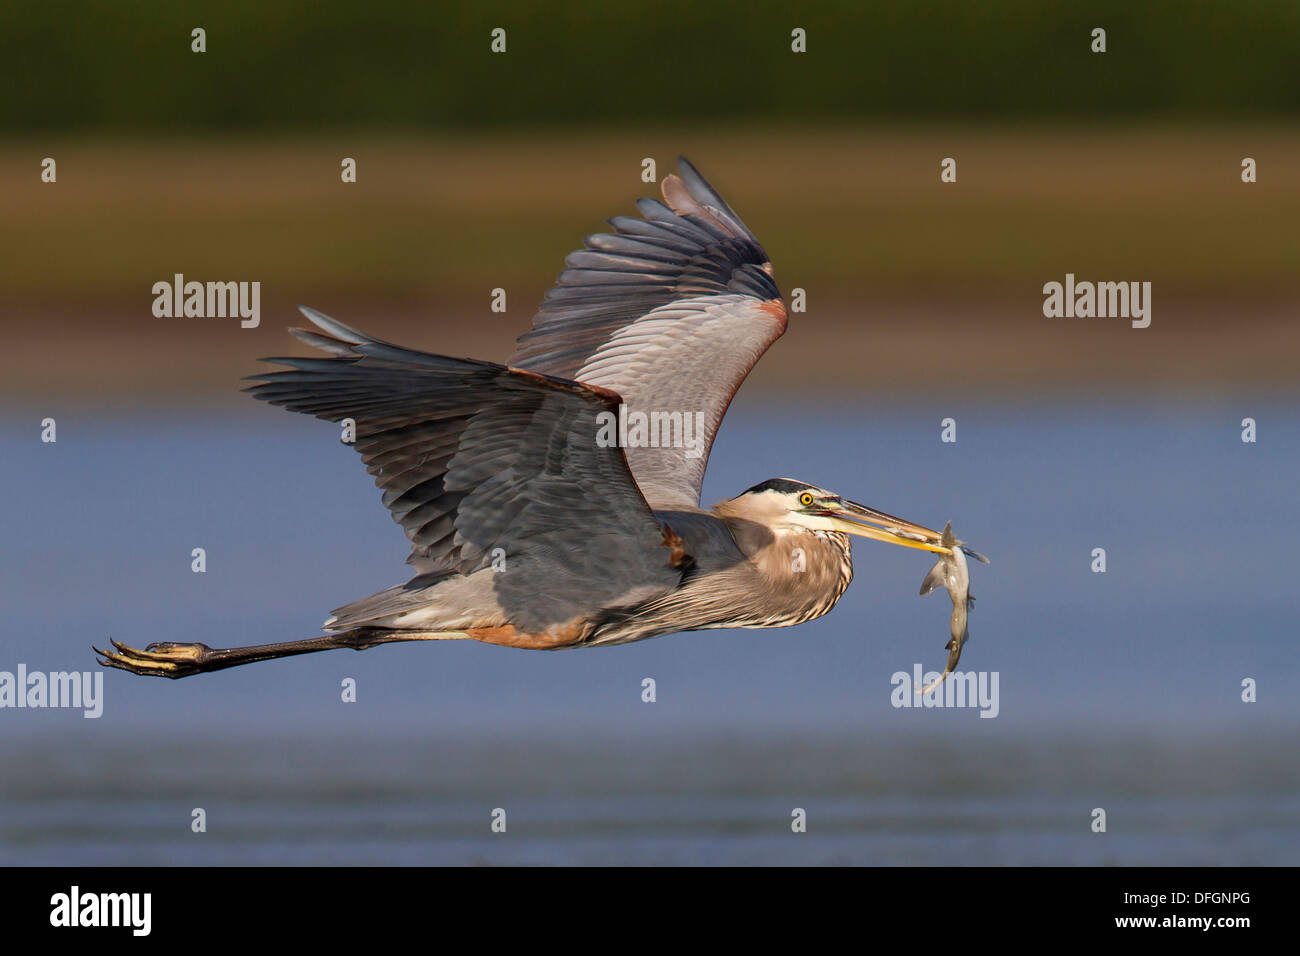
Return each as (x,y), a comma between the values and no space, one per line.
(786,505)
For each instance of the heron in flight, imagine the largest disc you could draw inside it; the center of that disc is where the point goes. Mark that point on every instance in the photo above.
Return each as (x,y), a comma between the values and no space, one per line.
(529,528)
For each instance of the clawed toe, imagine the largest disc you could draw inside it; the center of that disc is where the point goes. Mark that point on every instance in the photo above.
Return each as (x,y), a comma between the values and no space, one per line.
(162,659)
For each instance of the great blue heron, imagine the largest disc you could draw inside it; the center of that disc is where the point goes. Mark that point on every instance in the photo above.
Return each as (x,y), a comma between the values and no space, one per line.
(555,501)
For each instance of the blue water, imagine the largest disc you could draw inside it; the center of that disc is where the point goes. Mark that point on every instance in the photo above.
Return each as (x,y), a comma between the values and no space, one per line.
(1119,690)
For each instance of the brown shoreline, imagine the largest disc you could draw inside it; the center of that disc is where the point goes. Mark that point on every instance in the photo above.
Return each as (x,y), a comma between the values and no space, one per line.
(912,284)
(900,345)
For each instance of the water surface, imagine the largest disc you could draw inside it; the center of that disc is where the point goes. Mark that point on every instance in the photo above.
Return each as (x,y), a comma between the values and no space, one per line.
(1119,690)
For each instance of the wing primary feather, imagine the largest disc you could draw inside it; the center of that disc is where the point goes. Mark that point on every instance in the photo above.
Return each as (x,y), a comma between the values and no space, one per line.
(670,311)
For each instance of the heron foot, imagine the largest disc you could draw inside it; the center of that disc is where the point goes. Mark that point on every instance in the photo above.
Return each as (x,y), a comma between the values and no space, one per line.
(174,659)
(161,659)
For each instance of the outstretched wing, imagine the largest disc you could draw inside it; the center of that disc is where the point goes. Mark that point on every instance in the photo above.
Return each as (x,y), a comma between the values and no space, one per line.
(473,457)
(671,311)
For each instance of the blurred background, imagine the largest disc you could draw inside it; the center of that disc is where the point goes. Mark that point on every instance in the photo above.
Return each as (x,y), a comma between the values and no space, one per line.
(478,171)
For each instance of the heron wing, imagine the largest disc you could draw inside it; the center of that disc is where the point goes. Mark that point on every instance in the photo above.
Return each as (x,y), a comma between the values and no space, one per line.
(671,311)
(488,466)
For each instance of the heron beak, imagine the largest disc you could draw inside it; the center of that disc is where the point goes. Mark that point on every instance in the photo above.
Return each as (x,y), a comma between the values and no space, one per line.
(853,518)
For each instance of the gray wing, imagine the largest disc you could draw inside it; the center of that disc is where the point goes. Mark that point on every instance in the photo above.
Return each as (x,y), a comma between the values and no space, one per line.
(473,456)
(670,311)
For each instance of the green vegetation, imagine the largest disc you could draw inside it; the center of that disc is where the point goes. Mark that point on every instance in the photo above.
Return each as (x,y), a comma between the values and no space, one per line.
(420,65)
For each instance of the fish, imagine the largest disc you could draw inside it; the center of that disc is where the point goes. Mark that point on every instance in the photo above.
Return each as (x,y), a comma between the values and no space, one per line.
(952,573)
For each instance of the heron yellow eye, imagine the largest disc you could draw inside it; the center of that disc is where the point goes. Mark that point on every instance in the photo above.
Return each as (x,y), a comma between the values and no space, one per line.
(805,499)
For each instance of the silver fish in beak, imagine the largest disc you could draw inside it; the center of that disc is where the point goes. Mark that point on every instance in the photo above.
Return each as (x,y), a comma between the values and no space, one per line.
(951,573)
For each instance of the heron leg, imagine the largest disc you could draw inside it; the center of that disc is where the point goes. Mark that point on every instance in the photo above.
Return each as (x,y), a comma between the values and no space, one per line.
(173,659)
